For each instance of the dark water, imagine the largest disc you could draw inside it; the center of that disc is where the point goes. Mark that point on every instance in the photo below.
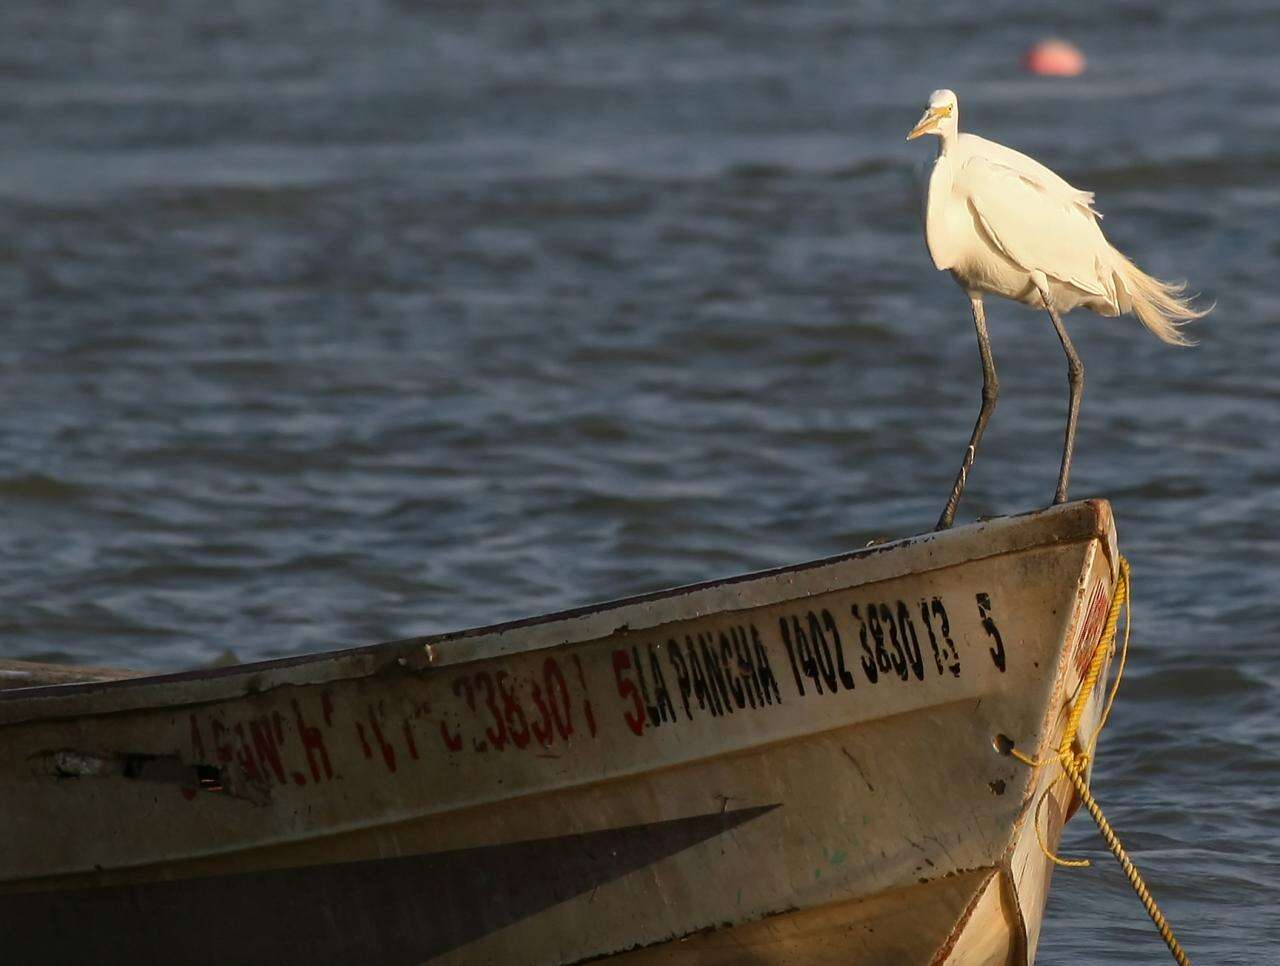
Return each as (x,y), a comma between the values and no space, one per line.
(331,323)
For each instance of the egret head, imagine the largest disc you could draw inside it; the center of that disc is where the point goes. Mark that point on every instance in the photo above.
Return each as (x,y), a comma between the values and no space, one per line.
(940,117)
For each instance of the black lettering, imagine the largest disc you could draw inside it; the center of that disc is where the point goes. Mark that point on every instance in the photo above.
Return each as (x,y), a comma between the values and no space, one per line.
(715,670)
(807,663)
(682,675)
(786,640)
(868,658)
(729,662)
(907,628)
(941,612)
(644,687)
(708,700)
(746,666)
(661,696)
(846,677)
(996,650)
(883,662)
(899,655)
(933,638)
(822,652)
(764,671)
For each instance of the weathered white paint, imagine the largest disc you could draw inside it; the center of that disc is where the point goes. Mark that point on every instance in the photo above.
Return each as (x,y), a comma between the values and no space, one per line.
(883,825)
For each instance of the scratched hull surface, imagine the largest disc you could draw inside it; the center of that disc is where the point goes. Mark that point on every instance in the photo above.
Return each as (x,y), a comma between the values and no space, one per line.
(796,766)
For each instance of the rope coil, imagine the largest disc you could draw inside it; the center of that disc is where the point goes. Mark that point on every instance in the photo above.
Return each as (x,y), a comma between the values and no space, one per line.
(1073,763)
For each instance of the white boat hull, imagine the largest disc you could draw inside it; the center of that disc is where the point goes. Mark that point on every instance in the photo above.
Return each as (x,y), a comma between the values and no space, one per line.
(793,767)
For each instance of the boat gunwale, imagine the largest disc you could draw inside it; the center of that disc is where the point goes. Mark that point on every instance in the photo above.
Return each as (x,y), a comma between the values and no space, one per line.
(1085,519)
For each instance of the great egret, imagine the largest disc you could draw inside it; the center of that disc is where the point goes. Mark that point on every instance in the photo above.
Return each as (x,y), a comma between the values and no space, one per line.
(1004,224)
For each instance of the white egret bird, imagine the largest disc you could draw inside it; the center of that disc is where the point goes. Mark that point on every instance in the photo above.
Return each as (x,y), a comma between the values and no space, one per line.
(1004,224)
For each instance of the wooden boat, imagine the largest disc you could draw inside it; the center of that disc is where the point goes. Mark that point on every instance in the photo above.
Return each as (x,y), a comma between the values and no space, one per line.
(798,766)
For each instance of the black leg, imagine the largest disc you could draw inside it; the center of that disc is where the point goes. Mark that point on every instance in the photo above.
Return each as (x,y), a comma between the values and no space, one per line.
(990,390)
(1075,388)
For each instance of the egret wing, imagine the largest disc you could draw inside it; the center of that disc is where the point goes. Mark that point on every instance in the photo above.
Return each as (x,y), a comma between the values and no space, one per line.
(1035,226)
(1045,179)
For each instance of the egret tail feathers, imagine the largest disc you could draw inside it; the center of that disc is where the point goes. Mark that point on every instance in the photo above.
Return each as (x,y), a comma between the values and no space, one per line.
(1160,306)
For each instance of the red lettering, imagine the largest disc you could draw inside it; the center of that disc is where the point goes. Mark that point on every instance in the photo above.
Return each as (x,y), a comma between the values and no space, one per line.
(512,713)
(542,729)
(627,689)
(313,743)
(408,740)
(264,743)
(497,738)
(451,741)
(244,755)
(364,742)
(388,753)
(464,684)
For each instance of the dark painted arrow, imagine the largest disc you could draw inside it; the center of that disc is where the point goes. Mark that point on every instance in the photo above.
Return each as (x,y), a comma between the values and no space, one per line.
(383,911)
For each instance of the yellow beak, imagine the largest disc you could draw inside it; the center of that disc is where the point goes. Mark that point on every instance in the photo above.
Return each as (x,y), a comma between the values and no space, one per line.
(928,121)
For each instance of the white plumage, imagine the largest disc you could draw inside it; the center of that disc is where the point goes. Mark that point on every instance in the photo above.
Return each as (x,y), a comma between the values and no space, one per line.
(1003,224)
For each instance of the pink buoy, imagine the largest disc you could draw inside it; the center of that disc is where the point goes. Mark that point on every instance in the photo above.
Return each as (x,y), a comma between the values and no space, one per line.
(1054,58)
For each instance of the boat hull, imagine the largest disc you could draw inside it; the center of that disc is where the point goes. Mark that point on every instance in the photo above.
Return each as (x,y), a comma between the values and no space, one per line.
(798,766)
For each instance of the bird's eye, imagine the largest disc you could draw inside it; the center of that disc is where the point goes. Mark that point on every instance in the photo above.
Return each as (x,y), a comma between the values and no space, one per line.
(943,111)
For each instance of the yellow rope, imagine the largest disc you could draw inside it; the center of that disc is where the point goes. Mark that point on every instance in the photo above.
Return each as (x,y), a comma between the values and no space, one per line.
(1073,763)
(1044,846)
(1124,651)
(1130,870)
(1105,648)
